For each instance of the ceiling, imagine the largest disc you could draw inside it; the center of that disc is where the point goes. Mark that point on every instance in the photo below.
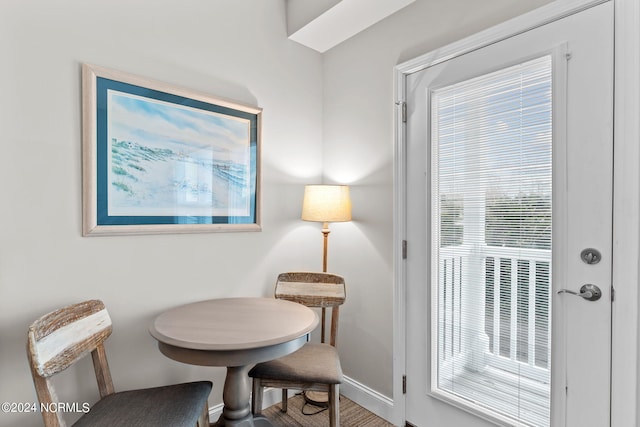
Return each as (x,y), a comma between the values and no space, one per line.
(323,24)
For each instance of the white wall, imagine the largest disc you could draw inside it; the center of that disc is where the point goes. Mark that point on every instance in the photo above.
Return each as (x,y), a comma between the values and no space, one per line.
(231,49)
(358,149)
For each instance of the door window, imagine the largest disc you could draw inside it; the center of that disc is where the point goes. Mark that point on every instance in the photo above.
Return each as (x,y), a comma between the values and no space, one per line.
(491,186)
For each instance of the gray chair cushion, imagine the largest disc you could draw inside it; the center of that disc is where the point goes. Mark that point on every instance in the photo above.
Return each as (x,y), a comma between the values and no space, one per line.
(178,405)
(313,363)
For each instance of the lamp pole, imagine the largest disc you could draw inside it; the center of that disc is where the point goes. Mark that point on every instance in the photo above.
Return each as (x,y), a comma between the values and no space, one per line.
(325,232)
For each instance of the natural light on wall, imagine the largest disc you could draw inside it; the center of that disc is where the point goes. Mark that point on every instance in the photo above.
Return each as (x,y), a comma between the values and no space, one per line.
(491,142)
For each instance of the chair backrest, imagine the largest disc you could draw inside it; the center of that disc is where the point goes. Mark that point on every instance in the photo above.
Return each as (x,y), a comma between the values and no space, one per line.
(61,338)
(313,289)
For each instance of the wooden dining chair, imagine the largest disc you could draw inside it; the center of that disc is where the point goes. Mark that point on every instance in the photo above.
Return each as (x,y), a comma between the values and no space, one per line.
(316,366)
(59,339)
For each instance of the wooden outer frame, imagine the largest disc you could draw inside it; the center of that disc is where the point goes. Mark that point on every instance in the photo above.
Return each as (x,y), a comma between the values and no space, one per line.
(90,225)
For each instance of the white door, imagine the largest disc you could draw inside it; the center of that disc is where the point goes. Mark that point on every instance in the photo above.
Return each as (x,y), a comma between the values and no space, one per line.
(502,197)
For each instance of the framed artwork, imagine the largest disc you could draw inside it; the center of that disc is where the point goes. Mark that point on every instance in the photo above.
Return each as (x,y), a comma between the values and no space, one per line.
(163,159)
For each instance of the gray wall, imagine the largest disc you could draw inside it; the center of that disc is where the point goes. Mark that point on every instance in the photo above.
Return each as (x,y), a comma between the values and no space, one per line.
(231,49)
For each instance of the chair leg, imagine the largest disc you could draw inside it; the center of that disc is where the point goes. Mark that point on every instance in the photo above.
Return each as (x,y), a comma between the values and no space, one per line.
(256,400)
(334,405)
(285,400)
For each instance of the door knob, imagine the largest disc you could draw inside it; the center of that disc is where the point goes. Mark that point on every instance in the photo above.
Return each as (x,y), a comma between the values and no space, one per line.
(589,292)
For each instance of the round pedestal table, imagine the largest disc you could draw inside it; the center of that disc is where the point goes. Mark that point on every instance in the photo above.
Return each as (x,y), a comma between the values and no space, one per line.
(236,333)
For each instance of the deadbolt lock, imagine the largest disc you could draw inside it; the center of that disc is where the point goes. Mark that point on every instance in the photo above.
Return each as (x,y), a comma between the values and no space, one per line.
(591,256)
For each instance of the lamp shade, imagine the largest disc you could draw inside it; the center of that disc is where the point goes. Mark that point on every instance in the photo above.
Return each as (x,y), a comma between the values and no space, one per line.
(326,203)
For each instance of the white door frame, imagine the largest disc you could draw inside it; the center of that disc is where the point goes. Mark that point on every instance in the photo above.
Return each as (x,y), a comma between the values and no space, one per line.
(626,201)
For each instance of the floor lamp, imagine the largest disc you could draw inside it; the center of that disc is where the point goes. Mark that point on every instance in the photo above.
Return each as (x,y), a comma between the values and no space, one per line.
(325,204)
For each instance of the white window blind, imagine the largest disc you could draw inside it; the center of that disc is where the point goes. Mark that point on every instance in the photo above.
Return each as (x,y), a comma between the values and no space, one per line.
(491,140)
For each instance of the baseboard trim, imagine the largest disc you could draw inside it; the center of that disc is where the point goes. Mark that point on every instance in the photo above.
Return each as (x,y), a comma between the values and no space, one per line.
(369,399)
(215,412)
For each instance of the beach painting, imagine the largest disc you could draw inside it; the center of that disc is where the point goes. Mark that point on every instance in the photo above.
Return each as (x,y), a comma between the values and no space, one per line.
(172,160)
(165,158)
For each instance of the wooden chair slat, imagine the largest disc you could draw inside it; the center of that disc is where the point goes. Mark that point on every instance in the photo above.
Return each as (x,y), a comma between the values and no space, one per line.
(310,277)
(70,336)
(59,318)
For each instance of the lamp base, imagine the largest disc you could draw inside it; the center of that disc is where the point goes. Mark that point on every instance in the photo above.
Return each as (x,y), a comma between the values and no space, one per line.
(317,398)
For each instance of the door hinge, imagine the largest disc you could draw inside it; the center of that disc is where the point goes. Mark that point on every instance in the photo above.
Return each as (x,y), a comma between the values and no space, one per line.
(404,249)
(404,384)
(613,293)
(403,106)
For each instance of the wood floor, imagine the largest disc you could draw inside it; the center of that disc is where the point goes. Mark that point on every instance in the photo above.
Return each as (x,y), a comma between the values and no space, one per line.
(351,415)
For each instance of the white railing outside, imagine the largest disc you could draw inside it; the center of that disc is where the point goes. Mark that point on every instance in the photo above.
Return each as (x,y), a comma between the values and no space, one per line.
(510,331)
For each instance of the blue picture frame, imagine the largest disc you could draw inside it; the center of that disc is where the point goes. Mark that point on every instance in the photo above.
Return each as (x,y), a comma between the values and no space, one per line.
(163,159)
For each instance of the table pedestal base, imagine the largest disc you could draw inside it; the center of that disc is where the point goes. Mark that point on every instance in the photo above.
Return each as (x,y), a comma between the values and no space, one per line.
(250,422)
(262,422)
(236,396)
